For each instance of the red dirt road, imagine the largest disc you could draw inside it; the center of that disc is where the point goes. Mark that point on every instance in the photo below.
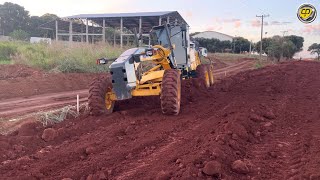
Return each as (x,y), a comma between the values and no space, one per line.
(20,106)
(259,124)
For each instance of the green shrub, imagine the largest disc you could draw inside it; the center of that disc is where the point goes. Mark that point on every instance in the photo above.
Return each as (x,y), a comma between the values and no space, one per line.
(20,35)
(7,50)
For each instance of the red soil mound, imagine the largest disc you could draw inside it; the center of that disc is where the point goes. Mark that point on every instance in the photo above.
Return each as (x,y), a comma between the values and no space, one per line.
(23,81)
(261,124)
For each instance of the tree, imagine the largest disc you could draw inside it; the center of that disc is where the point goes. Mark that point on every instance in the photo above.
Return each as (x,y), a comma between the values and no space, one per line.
(241,44)
(288,49)
(214,45)
(315,49)
(296,40)
(20,35)
(275,48)
(266,42)
(279,47)
(13,17)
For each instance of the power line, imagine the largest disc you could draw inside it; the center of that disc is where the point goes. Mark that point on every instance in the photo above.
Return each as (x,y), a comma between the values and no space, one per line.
(262,17)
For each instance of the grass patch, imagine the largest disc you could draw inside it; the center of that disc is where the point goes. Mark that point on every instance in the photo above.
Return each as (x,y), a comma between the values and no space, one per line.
(59,56)
(5,62)
(234,57)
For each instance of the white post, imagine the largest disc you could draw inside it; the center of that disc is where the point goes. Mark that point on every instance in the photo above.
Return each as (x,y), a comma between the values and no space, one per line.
(121,31)
(57,31)
(168,19)
(160,21)
(70,32)
(87,31)
(78,104)
(104,31)
(140,30)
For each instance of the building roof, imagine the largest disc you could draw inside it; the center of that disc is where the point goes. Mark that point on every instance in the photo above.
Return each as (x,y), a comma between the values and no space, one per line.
(213,34)
(130,20)
(115,15)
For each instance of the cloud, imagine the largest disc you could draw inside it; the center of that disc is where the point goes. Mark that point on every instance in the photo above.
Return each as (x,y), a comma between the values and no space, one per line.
(255,23)
(277,23)
(188,14)
(231,20)
(237,24)
(312,29)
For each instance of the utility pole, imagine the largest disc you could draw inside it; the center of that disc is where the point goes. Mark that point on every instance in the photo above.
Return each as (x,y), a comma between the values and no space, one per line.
(262,17)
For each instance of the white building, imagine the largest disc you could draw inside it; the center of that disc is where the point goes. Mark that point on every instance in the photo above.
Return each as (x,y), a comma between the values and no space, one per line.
(213,35)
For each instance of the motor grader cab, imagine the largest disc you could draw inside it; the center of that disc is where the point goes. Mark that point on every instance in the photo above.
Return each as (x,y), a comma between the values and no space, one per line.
(174,59)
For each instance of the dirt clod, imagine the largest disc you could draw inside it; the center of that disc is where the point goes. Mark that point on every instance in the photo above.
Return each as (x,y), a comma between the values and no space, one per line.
(49,134)
(241,166)
(212,168)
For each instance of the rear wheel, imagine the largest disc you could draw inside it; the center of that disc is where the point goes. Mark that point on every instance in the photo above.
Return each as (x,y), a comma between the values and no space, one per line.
(171,92)
(99,99)
(203,76)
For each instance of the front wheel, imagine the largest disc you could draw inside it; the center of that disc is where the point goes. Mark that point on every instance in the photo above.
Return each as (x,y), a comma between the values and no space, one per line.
(171,92)
(100,93)
(203,76)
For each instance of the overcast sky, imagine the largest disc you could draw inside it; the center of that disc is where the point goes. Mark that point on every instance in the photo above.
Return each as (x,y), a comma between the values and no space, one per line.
(233,17)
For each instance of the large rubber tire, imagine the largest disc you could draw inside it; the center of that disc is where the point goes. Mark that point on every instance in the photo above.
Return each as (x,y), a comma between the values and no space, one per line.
(97,100)
(203,76)
(171,92)
(211,75)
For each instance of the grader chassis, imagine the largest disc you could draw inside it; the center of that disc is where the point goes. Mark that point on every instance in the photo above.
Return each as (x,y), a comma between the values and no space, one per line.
(174,57)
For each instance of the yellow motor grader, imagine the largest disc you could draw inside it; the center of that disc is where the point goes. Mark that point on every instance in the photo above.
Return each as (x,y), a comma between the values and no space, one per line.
(174,58)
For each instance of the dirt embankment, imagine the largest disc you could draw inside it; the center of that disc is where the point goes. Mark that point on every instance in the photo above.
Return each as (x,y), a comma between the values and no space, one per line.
(260,124)
(23,81)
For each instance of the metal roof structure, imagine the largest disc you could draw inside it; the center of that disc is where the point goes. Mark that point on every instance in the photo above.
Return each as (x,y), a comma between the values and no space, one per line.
(131,20)
(115,15)
(90,25)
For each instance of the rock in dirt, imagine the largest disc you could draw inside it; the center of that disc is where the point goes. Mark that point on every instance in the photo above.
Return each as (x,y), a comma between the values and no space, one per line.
(212,168)
(49,134)
(241,166)
(268,124)
(162,175)
(256,118)
(269,114)
(90,150)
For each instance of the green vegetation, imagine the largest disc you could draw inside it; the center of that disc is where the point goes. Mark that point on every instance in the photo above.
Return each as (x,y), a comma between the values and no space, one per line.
(19,35)
(7,50)
(59,56)
(279,47)
(14,17)
(315,49)
(238,45)
(229,57)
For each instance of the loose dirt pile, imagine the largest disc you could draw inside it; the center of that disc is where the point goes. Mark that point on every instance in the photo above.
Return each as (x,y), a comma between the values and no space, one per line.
(23,81)
(260,124)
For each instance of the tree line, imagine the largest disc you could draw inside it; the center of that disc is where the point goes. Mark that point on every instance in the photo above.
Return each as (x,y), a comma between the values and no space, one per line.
(275,47)
(15,21)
